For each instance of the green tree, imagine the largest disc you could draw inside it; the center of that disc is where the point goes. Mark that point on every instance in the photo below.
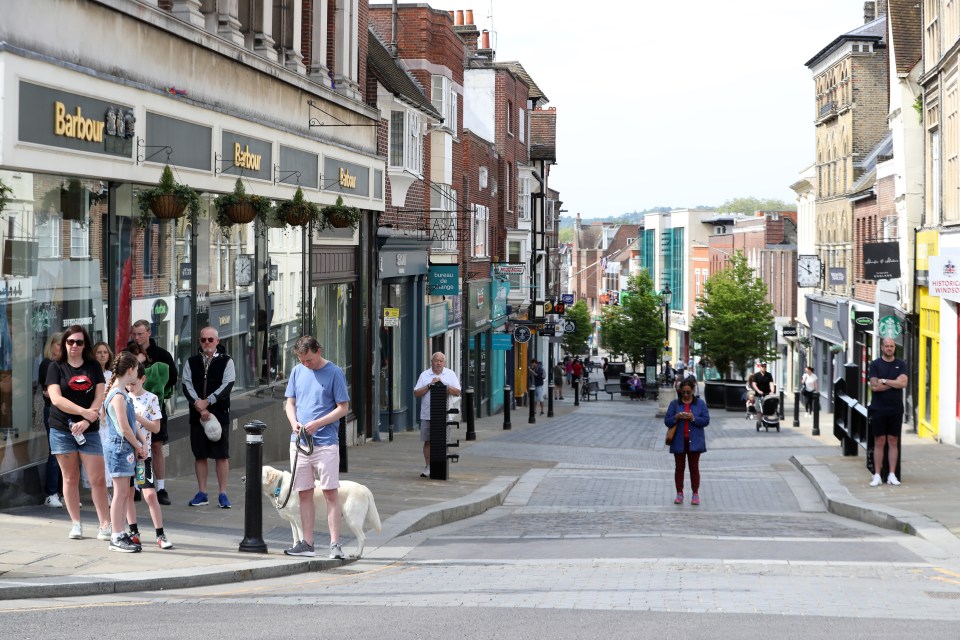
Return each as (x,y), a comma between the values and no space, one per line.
(637,323)
(565,235)
(736,323)
(750,205)
(576,341)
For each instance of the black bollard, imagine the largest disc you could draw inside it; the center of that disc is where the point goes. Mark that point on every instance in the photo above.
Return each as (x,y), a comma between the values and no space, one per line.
(467,404)
(576,392)
(439,465)
(532,395)
(506,409)
(550,400)
(816,415)
(252,513)
(796,408)
(781,411)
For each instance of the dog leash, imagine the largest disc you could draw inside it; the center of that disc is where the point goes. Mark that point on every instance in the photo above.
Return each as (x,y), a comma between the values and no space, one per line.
(307,450)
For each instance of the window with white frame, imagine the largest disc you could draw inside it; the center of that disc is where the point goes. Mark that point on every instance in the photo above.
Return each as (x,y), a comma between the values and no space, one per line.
(480,234)
(523,197)
(48,236)
(521,123)
(443,217)
(548,213)
(444,99)
(515,254)
(79,240)
(508,179)
(509,118)
(484,177)
(406,142)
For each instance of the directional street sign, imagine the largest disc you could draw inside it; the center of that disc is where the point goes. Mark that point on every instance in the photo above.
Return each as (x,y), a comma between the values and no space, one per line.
(566,298)
(521,334)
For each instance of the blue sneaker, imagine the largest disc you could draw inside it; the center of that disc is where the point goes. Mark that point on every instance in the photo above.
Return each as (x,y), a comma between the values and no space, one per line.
(199,500)
(224,501)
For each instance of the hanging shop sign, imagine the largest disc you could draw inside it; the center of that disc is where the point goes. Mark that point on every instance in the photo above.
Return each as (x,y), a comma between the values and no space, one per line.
(863,320)
(890,327)
(837,275)
(789,332)
(944,276)
(566,298)
(437,319)
(521,333)
(444,280)
(501,341)
(881,260)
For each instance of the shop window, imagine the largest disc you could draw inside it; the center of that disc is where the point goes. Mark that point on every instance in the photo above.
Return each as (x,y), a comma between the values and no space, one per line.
(331,312)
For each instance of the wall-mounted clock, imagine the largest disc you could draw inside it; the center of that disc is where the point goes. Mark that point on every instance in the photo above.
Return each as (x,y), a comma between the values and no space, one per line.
(243,270)
(808,271)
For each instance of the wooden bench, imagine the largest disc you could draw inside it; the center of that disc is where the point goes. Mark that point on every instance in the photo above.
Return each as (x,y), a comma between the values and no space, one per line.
(613,388)
(591,389)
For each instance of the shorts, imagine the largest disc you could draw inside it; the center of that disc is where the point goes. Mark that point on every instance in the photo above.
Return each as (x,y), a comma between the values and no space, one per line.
(203,448)
(120,456)
(540,392)
(63,442)
(886,425)
(162,435)
(147,474)
(322,465)
(424,431)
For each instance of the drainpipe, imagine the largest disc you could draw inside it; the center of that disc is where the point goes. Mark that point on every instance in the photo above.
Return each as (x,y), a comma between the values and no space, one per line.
(393,32)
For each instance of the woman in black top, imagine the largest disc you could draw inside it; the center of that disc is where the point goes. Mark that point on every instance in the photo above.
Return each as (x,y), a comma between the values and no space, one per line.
(76,388)
(52,482)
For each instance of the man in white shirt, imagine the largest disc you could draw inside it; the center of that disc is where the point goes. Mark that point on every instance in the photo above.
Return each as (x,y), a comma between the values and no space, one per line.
(437,372)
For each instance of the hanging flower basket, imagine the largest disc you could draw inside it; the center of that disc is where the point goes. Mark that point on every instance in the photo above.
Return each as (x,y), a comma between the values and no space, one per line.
(239,208)
(168,201)
(299,211)
(340,216)
(5,195)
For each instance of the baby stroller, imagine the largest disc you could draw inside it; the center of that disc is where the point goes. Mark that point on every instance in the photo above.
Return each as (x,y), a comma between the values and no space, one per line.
(769,413)
(749,398)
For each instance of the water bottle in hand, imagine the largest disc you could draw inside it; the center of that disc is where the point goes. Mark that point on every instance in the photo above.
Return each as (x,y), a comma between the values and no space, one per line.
(141,473)
(79,437)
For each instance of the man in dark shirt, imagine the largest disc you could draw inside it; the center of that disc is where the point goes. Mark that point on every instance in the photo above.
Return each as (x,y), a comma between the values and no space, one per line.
(888,379)
(763,382)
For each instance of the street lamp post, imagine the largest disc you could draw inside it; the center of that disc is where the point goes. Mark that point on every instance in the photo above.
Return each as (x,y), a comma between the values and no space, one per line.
(664,396)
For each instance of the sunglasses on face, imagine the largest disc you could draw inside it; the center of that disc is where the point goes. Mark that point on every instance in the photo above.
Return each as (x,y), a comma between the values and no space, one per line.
(74,343)
(207,339)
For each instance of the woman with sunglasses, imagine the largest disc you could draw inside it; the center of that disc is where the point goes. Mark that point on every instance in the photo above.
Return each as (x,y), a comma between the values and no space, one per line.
(75,385)
(690,415)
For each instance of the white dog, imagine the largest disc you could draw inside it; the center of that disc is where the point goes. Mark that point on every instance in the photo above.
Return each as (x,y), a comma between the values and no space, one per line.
(359,511)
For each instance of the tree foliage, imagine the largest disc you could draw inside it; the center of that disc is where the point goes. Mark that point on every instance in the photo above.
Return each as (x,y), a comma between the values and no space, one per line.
(637,323)
(750,205)
(736,324)
(576,342)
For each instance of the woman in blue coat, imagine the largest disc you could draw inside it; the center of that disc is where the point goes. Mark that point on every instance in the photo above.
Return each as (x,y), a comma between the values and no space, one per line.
(690,415)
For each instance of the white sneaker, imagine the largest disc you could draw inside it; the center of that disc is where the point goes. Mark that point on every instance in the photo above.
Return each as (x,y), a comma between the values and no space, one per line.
(76,531)
(892,479)
(875,482)
(105,534)
(53,501)
(425,473)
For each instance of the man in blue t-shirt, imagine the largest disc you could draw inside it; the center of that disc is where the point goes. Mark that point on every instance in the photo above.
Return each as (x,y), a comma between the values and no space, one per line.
(888,379)
(316,400)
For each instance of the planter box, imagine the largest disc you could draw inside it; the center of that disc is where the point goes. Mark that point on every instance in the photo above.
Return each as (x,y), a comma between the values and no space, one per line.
(734,394)
(714,394)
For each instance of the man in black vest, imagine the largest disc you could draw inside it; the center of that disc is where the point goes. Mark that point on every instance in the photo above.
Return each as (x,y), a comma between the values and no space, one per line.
(207,381)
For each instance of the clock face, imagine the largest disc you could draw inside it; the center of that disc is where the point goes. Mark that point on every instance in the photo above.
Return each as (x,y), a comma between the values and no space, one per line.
(243,268)
(808,271)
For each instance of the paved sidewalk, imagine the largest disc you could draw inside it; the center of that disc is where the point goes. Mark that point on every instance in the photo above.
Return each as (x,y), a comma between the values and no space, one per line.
(37,559)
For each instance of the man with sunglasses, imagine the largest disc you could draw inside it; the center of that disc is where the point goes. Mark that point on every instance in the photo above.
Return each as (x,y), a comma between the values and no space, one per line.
(141,334)
(207,381)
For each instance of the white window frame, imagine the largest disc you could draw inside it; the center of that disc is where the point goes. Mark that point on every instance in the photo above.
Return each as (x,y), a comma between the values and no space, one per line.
(79,240)
(480,231)
(410,137)
(521,124)
(48,236)
(548,214)
(524,187)
(444,98)
(484,177)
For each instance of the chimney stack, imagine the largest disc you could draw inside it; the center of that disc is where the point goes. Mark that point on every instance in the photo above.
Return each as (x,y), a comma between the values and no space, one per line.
(458,20)
(869,11)
(468,17)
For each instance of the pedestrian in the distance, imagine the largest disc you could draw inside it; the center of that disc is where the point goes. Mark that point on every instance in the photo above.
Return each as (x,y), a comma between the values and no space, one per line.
(317,398)
(537,376)
(207,381)
(558,381)
(690,415)
(811,388)
(888,379)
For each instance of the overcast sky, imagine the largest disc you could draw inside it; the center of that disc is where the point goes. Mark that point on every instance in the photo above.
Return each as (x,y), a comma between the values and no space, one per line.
(670,103)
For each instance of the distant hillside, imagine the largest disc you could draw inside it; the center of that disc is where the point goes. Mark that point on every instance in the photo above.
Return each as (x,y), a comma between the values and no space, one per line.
(566,222)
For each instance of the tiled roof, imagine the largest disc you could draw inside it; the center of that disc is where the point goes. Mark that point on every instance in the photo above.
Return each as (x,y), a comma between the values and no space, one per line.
(517,68)
(875,31)
(906,26)
(589,237)
(395,78)
(543,134)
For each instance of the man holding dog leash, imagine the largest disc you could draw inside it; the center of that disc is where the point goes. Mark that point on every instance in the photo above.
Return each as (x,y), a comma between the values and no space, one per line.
(316,400)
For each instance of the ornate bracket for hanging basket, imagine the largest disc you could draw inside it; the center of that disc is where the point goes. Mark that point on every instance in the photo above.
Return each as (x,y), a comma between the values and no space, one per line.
(168,207)
(240,213)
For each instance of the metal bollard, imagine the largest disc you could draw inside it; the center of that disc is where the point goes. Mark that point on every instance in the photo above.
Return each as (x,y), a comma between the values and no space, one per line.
(342,435)
(576,392)
(796,408)
(506,409)
(782,398)
(467,405)
(252,511)
(439,463)
(532,396)
(550,400)
(816,415)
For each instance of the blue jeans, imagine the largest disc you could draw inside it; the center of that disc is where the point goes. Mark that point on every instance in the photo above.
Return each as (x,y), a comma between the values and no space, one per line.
(53,483)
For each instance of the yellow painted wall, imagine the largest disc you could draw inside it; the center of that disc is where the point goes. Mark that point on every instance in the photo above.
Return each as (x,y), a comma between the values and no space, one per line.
(928,369)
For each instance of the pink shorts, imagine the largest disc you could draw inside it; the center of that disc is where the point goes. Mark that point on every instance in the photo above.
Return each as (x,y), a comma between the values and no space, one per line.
(323,465)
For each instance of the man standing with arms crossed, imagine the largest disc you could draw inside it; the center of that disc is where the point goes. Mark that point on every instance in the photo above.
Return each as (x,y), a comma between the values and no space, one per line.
(437,372)
(316,400)
(888,379)
(141,334)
